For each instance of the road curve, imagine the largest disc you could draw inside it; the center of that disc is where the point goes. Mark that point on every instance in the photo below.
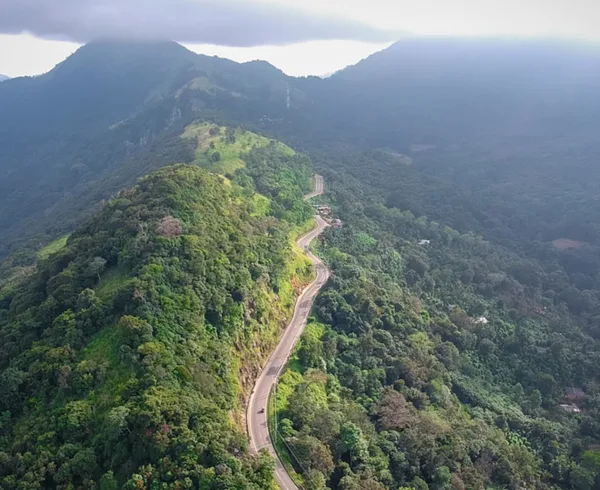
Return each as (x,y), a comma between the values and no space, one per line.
(258,430)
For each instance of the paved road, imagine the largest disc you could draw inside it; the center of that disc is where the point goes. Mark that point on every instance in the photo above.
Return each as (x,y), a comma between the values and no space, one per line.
(319,186)
(257,422)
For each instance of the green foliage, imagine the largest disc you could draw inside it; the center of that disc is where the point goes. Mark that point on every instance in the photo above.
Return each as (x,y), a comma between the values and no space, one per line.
(465,294)
(221,149)
(310,350)
(53,247)
(431,380)
(120,356)
(114,111)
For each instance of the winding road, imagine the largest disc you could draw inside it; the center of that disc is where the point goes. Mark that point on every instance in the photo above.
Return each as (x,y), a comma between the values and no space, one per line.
(256,418)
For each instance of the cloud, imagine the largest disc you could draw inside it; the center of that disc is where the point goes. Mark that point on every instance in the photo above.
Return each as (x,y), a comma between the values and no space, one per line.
(222,22)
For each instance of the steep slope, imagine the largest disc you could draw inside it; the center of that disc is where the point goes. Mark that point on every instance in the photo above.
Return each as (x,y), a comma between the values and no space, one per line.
(104,113)
(499,136)
(127,355)
(3,78)
(108,107)
(443,91)
(65,136)
(436,359)
(98,85)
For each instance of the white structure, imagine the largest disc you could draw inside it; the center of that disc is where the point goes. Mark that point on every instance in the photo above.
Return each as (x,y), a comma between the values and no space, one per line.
(570,408)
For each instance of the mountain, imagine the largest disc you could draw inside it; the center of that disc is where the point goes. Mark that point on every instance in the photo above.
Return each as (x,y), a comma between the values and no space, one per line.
(505,125)
(496,131)
(456,344)
(3,77)
(149,324)
(99,115)
(461,171)
(432,91)
(418,93)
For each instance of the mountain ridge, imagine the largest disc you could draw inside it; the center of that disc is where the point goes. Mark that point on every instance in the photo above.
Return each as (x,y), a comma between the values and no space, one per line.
(169,381)
(159,87)
(145,96)
(456,344)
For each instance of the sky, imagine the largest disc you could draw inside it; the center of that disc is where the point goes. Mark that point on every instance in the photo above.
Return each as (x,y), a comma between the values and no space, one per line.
(301,37)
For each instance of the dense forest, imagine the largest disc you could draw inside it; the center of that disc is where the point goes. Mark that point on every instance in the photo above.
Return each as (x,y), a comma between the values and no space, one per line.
(438,360)
(127,355)
(456,345)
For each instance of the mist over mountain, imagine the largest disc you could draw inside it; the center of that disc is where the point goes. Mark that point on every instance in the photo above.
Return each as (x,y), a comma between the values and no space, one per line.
(444,90)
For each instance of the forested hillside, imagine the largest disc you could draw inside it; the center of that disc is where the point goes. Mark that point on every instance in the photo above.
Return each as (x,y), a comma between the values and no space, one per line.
(434,362)
(127,355)
(114,110)
(456,345)
(450,91)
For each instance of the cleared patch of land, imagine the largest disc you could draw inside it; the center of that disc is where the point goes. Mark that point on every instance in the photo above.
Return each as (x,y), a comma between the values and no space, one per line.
(401,158)
(53,247)
(566,244)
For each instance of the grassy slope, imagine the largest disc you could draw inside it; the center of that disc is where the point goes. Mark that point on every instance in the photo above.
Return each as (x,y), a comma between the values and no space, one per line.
(53,247)
(228,144)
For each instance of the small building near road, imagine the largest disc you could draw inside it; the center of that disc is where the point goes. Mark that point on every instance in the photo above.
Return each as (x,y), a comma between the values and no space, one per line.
(337,223)
(323,209)
(570,408)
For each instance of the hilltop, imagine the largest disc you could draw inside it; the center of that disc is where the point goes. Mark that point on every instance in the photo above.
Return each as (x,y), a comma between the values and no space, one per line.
(128,353)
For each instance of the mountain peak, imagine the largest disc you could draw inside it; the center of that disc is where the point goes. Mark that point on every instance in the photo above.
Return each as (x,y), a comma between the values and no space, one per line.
(120,54)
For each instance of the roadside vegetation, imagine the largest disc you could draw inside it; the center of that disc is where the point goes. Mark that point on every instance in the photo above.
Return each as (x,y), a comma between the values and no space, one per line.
(436,360)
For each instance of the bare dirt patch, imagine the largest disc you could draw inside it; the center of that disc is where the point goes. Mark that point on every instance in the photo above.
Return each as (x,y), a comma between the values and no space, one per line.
(566,244)
(420,148)
(399,157)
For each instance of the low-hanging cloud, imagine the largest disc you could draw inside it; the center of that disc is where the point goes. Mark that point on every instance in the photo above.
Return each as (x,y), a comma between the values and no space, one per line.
(223,22)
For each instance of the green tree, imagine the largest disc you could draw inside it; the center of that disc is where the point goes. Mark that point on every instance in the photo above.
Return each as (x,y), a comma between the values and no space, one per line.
(314,480)
(312,454)
(96,266)
(108,481)
(354,442)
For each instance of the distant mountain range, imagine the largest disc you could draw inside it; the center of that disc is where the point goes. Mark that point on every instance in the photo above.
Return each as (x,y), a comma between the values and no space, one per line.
(3,77)
(111,101)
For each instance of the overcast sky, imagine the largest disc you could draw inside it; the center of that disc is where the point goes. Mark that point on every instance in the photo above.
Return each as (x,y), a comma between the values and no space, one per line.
(299,36)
